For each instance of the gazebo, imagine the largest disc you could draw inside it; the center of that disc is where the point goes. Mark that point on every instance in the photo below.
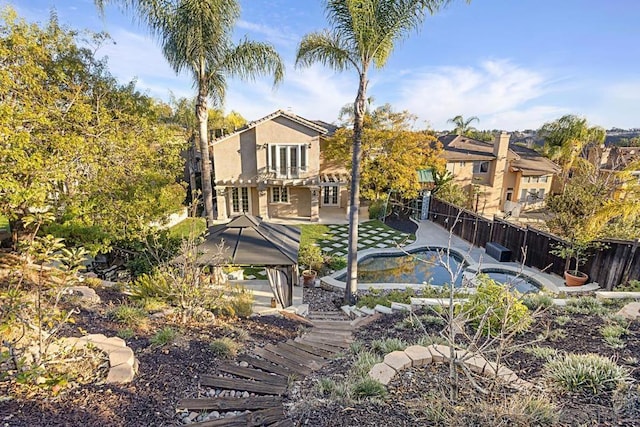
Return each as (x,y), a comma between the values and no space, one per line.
(248,241)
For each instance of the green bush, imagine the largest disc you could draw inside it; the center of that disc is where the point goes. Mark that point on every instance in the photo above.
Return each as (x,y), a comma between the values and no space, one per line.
(338,263)
(376,296)
(152,285)
(495,309)
(368,387)
(224,347)
(364,362)
(129,315)
(585,373)
(377,209)
(545,353)
(537,301)
(585,305)
(388,345)
(612,335)
(310,256)
(164,336)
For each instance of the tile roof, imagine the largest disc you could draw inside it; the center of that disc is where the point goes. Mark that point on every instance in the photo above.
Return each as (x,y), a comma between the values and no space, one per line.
(458,148)
(279,113)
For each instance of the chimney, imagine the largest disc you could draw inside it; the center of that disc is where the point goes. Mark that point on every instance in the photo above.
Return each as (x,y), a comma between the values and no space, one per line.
(501,145)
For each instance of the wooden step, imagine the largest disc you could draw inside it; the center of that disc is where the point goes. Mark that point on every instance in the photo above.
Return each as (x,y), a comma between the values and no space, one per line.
(231,403)
(294,356)
(333,325)
(265,365)
(263,417)
(302,353)
(324,340)
(279,360)
(329,348)
(330,336)
(258,387)
(252,374)
(311,349)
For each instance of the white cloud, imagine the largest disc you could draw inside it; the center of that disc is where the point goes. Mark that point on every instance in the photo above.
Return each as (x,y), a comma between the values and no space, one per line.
(135,56)
(314,93)
(498,92)
(273,35)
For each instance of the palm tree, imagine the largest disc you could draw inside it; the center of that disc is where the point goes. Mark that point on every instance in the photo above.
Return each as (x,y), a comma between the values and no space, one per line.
(363,33)
(463,126)
(196,36)
(565,138)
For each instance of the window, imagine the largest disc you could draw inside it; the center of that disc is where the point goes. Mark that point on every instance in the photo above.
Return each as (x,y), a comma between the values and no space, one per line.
(532,195)
(463,164)
(287,160)
(330,196)
(480,167)
(544,178)
(240,200)
(279,194)
(526,179)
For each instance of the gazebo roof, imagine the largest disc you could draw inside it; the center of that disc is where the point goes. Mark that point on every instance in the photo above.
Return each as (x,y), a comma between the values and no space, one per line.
(250,241)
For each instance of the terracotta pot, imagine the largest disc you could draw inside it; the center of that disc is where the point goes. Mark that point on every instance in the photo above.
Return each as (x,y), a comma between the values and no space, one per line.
(577,279)
(309,278)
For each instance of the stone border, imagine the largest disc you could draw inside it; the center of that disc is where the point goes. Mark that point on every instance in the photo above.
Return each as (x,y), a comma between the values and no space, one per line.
(417,355)
(123,364)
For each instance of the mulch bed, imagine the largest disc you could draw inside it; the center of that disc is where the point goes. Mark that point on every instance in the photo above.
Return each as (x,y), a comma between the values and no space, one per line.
(168,374)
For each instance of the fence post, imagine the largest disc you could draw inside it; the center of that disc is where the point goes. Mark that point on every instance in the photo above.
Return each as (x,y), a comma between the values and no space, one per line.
(627,268)
(525,245)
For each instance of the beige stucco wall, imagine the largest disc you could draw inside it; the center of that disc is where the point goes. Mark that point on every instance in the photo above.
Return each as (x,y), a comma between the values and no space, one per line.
(281,130)
(299,204)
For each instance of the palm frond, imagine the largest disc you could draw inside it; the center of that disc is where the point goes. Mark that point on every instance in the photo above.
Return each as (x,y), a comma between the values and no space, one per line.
(327,49)
(249,59)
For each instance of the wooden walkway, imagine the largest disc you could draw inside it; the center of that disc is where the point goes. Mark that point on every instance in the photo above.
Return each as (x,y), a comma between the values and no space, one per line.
(270,370)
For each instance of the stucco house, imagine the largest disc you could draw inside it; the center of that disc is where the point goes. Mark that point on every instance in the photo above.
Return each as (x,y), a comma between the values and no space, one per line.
(273,168)
(499,176)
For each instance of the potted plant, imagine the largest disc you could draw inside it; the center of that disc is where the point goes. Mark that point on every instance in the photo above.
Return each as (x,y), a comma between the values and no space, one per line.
(575,250)
(311,257)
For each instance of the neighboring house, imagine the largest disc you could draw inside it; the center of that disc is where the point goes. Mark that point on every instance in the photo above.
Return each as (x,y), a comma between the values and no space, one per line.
(272,168)
(500,177)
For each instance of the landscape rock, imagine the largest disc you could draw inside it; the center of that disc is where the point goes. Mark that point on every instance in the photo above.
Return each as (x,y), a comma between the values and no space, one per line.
(382,372)
(398,360)
(418,354)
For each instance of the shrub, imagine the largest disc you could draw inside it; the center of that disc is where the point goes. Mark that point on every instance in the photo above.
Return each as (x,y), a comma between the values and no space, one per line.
(545,353)
(585,305)
(224,347)
(494,309)
(153,304)
(126,333)
(326,386)
(129,315)
(562,320)
(241,300)
(388,345)
(338,263)
(537,301)
(92,282)
(164,336)
(152,285)
(377,209)
(310,256)
(376,296)
(612,334)
(585,372)
(368,387)
(364,362)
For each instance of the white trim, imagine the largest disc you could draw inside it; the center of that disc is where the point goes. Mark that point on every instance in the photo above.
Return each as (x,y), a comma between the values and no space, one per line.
(293,167)
(325,189)
(240,200)
(282,190)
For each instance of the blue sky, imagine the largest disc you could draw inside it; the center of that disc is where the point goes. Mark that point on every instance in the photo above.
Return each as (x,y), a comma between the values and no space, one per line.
(513,63)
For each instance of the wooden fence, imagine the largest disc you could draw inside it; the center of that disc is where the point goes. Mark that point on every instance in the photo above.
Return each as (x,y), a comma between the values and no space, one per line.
(615,263)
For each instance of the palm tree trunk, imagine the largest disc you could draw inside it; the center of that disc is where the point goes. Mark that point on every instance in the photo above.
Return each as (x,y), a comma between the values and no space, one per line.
(351,286)
(207,189)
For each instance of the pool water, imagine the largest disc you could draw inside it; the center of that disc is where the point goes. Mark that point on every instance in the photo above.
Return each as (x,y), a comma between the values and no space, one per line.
(426,266)
(513,280)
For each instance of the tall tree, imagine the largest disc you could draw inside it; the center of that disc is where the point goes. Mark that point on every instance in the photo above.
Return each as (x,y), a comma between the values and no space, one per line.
(565,138)
(363,34)
(463,127)
(97,156)
(196,36)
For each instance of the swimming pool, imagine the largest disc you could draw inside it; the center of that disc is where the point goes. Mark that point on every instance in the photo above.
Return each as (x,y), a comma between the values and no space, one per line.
(514,280)
(423,266)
